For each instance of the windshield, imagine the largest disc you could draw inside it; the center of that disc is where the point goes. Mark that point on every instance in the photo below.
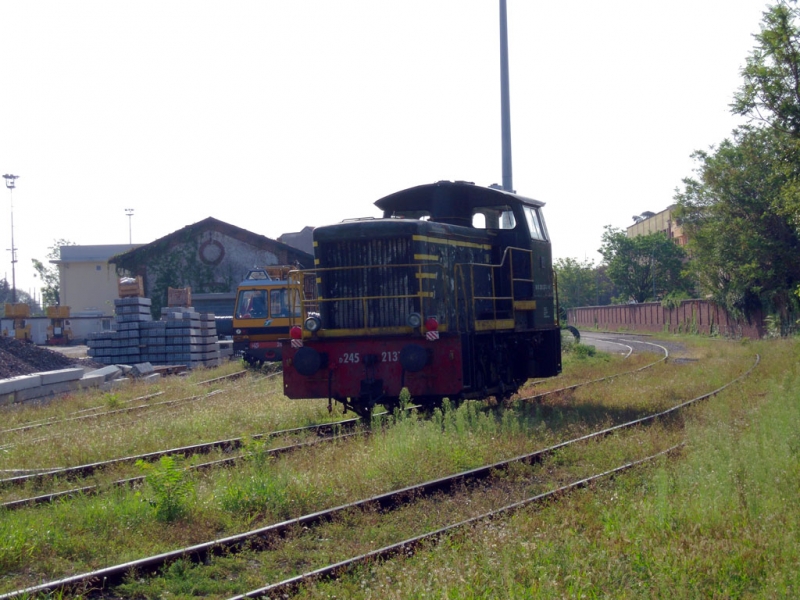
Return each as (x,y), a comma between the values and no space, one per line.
(261,304)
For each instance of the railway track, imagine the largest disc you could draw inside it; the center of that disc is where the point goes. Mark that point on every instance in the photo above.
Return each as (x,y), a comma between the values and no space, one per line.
(90,413)
(227,445)
(105,579)
(606,378)
(408,546)
(97,411)
(325,431)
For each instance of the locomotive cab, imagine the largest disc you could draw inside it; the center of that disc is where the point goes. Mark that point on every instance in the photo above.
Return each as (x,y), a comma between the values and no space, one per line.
(450,294)
(267,305)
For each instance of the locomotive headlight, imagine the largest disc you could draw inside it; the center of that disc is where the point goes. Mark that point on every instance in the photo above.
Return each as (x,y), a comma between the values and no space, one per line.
(238,332)
(295,332)
(414,320)
(431,324)
(313,324)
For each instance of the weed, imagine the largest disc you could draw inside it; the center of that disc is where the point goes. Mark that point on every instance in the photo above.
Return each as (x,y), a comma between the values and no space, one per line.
(170,486)
(111,401)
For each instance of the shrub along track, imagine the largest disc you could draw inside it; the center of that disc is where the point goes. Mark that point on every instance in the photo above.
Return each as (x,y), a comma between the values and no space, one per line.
(101,582)
(326,431)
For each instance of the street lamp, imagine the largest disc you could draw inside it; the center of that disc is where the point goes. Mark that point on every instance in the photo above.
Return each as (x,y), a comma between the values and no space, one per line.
(129,212)
(10,185)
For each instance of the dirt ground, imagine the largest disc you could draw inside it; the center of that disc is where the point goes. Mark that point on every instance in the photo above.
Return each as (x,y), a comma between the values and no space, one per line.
(23,358)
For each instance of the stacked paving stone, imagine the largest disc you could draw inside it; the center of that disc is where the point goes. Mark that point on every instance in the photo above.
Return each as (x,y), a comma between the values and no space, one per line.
(183,336)
(191,338)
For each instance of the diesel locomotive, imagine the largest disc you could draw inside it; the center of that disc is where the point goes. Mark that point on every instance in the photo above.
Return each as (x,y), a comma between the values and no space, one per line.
(450,294)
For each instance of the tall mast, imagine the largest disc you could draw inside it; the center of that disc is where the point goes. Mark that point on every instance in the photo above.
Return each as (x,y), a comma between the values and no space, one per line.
(505,103)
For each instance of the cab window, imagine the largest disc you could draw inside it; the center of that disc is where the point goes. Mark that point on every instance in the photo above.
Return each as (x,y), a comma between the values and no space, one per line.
(279,305)
(493,217)
(535,224)
(252,304)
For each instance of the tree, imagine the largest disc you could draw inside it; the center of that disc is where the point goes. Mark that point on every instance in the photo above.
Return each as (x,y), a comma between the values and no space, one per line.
(770,93)
(22,297)
(643,267)
(582,284)
(744,249)
(770,98)
(741,211)
(49,276)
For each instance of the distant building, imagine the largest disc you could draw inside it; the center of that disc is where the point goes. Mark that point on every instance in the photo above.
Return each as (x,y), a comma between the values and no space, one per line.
(87,281)
(210,256)
(663,222)
(302,240)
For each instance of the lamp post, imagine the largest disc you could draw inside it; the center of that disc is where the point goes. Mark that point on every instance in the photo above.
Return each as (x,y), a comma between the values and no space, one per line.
(129,212)
(505,102)
(10,179)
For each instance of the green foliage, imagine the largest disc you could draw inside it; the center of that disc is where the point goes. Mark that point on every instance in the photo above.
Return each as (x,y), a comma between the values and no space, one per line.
(49,275)
(771,76)
(170,487)
(674,299)
(644,267)
(581,284)
(741,210)
(5,296)
(111,400)
(744,249)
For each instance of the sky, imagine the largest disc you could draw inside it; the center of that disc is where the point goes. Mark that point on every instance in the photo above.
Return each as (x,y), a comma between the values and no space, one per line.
(273,116)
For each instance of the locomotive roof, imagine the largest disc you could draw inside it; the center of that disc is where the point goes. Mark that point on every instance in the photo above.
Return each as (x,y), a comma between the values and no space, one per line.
(442,197)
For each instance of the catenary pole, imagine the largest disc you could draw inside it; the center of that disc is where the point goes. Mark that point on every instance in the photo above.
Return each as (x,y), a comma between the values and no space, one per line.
(505,102)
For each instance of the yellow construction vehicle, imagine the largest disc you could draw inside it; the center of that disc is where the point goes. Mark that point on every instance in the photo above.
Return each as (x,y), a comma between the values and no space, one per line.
(58,332)
(19,313)
(267,305)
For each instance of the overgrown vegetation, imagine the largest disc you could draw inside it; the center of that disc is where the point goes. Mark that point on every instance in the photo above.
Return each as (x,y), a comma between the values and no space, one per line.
(556,552)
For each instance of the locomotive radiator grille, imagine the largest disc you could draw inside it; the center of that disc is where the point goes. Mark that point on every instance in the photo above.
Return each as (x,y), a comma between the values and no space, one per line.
(368,283)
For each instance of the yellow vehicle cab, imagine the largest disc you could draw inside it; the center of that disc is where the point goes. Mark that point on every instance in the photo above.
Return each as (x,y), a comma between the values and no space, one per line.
(267,305)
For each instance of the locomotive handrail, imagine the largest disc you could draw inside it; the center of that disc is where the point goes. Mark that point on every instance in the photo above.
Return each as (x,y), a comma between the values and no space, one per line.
(421,270)
(506,263)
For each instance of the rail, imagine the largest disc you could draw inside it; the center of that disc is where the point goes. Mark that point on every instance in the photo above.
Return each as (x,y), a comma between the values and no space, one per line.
(376,313)
(497,310)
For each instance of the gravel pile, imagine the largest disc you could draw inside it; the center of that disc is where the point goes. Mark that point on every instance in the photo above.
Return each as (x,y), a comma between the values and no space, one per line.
(23,358)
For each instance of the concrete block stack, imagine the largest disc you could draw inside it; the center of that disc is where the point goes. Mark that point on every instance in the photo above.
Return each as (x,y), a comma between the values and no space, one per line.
(183,336)
(191,337)
(153,336)
(123,345)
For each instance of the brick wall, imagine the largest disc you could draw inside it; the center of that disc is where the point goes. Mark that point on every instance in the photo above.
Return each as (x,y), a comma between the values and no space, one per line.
(692,316)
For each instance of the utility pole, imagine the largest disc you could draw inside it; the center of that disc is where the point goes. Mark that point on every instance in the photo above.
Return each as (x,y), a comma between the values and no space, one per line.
(10,179)
(505,102)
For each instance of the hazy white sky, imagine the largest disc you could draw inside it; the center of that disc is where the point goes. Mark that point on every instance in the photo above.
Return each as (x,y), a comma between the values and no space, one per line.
(276,115)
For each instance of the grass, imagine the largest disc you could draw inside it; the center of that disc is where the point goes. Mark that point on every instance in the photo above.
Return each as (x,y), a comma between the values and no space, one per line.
(652,532)
(720,522)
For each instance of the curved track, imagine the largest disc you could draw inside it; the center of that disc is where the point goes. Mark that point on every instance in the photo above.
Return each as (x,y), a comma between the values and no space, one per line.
(261,537)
